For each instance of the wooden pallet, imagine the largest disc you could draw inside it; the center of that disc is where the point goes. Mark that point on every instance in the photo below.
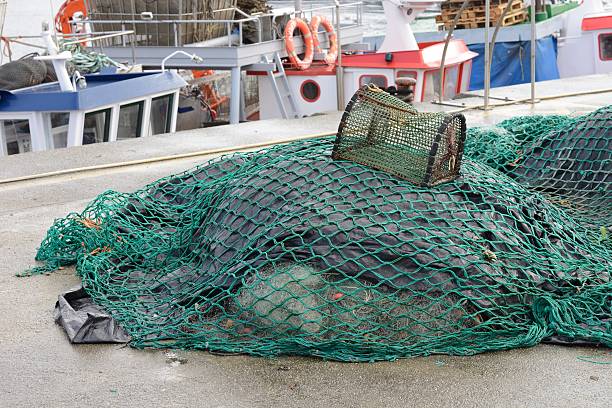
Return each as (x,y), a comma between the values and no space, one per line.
(468,15)
(495,10)
(457,3)
(477,22)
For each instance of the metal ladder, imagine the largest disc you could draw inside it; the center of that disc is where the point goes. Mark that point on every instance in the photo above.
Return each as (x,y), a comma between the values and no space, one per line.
(286,89)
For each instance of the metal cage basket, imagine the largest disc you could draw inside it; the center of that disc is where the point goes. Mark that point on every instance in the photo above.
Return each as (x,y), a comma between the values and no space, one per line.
(385,133)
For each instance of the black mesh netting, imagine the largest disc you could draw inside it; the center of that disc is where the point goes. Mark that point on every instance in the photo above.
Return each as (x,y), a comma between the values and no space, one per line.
(286,251)
(25,72)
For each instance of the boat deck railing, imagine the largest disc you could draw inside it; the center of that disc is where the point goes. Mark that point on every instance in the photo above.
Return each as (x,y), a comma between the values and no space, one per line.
(153,32)
(245,39)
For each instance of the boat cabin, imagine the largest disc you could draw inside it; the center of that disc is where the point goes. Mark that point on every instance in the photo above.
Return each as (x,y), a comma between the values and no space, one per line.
(597,29)
(105,108)
(315,88)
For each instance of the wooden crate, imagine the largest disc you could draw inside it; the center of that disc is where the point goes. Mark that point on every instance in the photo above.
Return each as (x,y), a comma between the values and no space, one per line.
(479,11)
(474,17)
(510,19)
(457,3)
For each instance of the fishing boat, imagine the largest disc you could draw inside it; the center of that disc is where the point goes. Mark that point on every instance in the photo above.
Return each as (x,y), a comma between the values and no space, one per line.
(586,37)
(303,62)
(261,45)
(80,109)
(400,57)
(573,38)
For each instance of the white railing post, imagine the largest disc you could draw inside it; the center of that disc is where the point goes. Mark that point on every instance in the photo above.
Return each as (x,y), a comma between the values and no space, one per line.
(487,56)
(234,115)
(339,72)
(533,49)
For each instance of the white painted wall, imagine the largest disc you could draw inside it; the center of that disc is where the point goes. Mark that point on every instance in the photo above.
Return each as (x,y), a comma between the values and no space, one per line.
(352,75)
(269,109)
(577,55)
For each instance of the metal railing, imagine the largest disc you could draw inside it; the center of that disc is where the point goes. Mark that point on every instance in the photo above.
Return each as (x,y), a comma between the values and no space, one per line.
(130,10)
(265,25)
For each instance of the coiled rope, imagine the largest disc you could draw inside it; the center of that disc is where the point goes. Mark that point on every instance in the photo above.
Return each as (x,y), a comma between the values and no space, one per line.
(86,61)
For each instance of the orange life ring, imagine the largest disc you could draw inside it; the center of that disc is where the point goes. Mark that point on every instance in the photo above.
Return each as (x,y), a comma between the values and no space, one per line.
(332,53)
(64,15)
(290,47)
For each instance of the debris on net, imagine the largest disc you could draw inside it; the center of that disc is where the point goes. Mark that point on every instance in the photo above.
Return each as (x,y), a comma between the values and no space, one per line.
(287,251)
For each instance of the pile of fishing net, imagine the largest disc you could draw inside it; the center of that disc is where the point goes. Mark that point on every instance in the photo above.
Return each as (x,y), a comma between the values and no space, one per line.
(26,72)
(286,251)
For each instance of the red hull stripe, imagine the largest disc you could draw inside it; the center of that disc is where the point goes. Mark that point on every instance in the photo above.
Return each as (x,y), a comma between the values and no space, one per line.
(596,23)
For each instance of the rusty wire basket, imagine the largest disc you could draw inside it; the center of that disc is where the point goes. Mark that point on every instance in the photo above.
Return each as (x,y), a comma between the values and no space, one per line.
(385,133)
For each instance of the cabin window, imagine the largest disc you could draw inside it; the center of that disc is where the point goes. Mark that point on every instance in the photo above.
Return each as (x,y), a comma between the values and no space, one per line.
(451,81)
(17,136)
(130,121)
(59,129)
(406,74)
(161,114)
(605,46)
(310,90)
(378,80)
(431,86)
(97,126)
(466,71)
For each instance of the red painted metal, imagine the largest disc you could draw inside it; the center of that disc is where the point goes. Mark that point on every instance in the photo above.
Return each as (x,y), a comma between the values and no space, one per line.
(314,70)
(459,79)
(427,57)
(597,23)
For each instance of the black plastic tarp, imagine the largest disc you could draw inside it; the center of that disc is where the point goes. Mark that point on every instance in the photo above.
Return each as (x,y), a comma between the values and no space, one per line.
(86,322)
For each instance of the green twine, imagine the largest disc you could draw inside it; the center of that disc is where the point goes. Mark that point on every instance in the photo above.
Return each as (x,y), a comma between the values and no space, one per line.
(591,359)
(286,251)
(86,61)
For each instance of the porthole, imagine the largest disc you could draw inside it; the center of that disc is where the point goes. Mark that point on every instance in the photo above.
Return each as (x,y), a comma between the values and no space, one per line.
(310,90)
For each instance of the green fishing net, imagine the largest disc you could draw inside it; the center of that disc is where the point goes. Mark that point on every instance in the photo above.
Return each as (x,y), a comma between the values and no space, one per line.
(287,251)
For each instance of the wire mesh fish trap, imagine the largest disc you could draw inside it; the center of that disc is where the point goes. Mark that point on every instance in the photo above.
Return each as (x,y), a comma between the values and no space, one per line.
(385,133)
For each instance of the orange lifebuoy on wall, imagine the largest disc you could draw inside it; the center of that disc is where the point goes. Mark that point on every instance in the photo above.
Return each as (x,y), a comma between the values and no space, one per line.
(332,53)
(290,47)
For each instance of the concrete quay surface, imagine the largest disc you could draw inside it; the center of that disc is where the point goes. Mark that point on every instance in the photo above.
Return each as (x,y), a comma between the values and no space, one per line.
(40,368)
